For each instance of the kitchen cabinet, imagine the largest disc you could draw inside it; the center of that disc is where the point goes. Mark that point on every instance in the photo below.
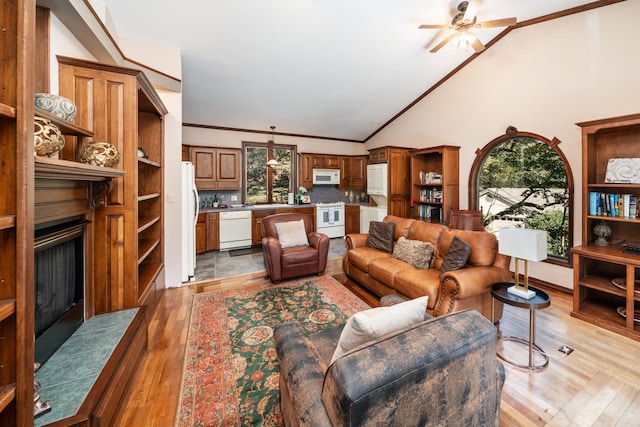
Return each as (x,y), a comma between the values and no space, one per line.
(129,228)
(256,224)
(213,231)
(596,268)
(397,159)
(353,172)
(351,219)
(217,168)
(325,161)
(435,182)
(305,170)
(201,234)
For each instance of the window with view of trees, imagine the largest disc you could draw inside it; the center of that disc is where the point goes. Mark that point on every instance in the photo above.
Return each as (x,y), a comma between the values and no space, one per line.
(268,184)
(525,181)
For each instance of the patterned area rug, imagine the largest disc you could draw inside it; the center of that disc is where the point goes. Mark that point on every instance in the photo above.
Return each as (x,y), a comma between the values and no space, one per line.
(230,376)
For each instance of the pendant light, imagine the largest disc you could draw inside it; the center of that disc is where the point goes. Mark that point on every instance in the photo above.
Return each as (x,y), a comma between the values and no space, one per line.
(272,162)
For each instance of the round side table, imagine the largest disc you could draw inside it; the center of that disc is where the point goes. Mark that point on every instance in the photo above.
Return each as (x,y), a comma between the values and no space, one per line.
(539,301)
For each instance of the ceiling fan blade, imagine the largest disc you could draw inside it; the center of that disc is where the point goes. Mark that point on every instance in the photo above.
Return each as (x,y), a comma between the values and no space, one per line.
(477,44)
(433,26)
(505,22)
(470,11)
(442,43)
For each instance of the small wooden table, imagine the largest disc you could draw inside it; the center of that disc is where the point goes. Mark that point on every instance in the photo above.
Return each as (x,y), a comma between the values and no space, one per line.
(541,300)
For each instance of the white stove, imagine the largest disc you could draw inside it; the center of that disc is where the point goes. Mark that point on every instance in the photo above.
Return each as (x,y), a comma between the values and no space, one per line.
(330,219)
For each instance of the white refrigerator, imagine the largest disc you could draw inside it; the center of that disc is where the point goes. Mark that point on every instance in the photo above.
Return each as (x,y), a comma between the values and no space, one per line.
(190,211)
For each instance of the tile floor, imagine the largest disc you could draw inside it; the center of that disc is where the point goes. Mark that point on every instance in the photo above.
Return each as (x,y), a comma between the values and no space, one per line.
(214,264)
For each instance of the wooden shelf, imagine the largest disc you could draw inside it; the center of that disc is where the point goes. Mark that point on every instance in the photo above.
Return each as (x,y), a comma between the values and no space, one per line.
(7,394)
(7,111)
(145,247)
(46,167)
(7,221)
(614,218)
(149,162)
(7,308)
(65,126)
(147,272)
(148,197)
(145,223)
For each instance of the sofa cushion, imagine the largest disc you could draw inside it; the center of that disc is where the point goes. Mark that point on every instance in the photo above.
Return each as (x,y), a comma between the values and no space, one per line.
(415,252)
(362,257)
(484,246)
(414,283)
(292,233)
(381,235)
(368,325)
(402,225)
(457,255)
(385,269)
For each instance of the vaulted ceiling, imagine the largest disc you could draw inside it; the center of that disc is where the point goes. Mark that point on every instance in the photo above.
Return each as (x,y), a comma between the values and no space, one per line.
(332,68)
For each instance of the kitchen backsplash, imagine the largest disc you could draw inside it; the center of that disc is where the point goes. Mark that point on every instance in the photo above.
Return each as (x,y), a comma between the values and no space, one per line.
(318,194)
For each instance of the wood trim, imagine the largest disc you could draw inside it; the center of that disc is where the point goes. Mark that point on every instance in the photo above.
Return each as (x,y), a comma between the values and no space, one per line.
(42,51)
(268,132)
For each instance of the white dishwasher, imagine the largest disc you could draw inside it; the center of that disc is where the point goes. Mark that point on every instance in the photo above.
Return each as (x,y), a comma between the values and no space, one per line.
(235,230)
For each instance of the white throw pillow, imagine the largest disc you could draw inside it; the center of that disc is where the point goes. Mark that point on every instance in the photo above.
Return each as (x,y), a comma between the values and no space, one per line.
(292,233)
(374,323)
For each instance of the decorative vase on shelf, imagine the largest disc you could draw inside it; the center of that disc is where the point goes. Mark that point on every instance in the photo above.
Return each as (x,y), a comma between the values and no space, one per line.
(57,105)
(100,154)
(602,231)
(351,196)
(47,138)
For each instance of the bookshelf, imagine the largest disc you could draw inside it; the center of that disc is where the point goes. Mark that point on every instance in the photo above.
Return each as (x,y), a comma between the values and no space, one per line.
(435,183)
(606,268)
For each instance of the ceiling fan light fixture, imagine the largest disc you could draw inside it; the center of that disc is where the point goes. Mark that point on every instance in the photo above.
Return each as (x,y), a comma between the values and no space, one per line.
(463,40)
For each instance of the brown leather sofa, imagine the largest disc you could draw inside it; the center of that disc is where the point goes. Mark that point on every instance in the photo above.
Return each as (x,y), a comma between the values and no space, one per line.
(456,290)
(284,263)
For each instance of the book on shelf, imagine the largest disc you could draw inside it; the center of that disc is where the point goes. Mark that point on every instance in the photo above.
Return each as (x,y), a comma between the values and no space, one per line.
(613,204)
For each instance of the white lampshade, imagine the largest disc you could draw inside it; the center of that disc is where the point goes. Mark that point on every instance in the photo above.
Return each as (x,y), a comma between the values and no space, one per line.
(523,243)
(272,162)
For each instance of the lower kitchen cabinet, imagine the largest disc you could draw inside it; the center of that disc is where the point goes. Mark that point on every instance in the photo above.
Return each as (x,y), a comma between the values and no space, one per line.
(213,231)
(201,234)
(351,219)
(256,224)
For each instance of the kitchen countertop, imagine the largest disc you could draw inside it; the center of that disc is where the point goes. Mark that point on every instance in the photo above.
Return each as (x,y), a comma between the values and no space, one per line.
(255,207)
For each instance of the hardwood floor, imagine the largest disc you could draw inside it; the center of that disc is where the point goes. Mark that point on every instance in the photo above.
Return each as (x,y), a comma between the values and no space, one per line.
(597,384)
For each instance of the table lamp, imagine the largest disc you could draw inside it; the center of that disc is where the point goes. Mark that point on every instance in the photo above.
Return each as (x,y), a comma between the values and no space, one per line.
(522,244)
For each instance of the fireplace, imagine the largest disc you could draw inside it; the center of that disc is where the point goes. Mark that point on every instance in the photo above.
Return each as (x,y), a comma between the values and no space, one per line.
(59,283)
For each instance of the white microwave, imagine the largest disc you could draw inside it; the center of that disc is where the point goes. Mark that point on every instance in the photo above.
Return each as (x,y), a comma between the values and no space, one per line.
(326,176)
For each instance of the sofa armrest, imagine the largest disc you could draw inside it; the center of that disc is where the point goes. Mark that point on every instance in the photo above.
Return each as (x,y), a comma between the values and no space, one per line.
(316,238)
(271,253)
(355,240)
(458,285)
(302,370)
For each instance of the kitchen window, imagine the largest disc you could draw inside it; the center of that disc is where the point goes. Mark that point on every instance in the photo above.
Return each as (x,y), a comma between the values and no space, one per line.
(268,184)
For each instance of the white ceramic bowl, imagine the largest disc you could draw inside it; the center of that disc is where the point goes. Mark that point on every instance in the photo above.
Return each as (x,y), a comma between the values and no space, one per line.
(57,105)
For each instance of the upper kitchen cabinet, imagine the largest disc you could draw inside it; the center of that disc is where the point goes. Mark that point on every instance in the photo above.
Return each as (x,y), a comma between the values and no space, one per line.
(326,161)
(120,106)
(305,170)
(353,171)
(217,168)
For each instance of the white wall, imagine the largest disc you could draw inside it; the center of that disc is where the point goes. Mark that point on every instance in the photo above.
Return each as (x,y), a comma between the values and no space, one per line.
(541,79)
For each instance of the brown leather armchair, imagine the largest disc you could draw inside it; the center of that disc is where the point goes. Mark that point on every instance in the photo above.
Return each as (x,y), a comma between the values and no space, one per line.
(284,263)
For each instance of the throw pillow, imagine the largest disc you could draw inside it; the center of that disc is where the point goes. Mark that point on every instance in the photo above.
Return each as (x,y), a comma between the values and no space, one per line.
(292,233)
(374,323)
(414,252)
(381,235)
(457,255)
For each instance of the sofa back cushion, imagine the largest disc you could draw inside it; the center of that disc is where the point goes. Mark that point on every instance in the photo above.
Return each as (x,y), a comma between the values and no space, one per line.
(402,225)
(484,245)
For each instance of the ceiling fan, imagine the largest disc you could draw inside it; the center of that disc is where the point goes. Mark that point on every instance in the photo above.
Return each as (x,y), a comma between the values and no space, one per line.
(464,21)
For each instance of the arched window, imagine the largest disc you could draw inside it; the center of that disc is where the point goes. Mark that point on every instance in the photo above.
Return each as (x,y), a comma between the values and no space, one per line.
(522,179)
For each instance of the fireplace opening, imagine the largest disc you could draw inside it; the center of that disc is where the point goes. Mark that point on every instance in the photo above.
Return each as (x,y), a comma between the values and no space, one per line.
(59,284)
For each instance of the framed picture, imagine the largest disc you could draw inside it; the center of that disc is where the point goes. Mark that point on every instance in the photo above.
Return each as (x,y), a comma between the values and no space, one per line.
(306,199)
